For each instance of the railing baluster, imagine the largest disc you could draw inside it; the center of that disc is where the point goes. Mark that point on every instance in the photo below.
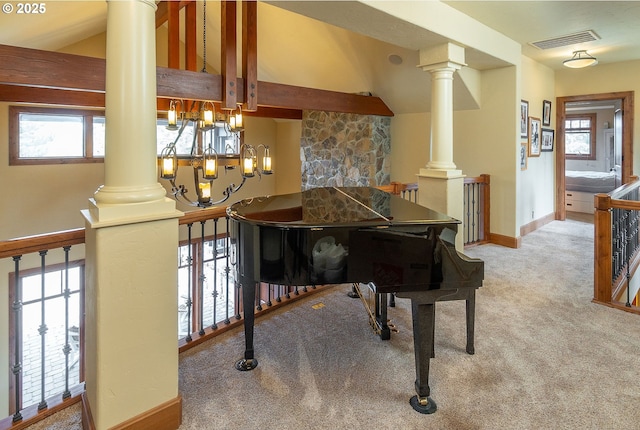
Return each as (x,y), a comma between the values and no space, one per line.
(227,271)
(67,348)
(201,278)
(214,293)
(17,364)
(43,331)
(188,338)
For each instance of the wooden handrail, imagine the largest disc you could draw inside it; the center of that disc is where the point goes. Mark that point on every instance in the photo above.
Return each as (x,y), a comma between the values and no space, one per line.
(203,215)
(29,244)
(60,239)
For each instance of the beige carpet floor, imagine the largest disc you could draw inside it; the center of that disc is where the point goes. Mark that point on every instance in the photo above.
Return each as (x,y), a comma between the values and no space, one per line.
(546,357)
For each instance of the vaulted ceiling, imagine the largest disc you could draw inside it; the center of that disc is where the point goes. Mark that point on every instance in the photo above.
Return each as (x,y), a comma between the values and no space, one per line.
(352,47)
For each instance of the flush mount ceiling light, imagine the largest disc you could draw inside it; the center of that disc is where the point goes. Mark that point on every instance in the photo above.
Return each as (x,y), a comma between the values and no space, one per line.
(580,59)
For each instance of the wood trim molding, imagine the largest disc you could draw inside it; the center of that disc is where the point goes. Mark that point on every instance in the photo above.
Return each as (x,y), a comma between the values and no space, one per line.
(627,98)
(536,224)
(166,416)
(87,416)
(508,241)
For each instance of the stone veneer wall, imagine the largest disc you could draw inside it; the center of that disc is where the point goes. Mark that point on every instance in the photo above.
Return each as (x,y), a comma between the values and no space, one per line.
(344,150)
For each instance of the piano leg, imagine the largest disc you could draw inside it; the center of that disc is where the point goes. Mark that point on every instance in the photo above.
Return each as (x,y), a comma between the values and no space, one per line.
(471,312)
(248,300)
(423,315)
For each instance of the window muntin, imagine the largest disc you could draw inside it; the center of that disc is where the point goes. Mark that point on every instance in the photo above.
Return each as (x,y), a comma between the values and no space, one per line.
(55,136)
(580,137)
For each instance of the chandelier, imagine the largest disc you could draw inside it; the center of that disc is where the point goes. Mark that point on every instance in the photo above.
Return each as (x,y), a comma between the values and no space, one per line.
(209,134)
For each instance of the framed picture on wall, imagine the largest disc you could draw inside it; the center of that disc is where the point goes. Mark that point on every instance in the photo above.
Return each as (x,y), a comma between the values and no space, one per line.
(547,140)
(523,155)
(535,130)
(524,115)
(546,112)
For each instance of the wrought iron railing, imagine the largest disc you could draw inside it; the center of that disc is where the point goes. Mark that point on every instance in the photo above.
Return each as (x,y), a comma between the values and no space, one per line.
(476,210)
(208,306)
(617,247)
(46,249)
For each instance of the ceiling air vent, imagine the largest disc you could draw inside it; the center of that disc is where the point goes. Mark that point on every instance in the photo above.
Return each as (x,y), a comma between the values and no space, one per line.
(569,39)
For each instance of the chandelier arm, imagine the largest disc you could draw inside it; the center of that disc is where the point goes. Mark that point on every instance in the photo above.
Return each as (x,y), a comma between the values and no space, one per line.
(179,193)
(231,188)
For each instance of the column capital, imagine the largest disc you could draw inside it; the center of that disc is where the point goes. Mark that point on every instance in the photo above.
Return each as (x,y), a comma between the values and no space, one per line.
(446,67)
(445,56)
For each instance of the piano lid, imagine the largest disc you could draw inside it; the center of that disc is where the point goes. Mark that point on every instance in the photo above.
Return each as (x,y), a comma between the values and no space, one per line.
(335,206)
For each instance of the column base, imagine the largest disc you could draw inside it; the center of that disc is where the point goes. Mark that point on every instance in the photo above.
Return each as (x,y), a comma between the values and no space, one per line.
(107,215)
(440,173)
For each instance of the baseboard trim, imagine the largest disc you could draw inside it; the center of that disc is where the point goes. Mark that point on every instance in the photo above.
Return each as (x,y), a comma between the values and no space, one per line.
(166,416)
(508,241)
(536,224)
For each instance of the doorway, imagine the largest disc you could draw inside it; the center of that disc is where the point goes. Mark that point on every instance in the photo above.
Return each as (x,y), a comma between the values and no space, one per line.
(626,109)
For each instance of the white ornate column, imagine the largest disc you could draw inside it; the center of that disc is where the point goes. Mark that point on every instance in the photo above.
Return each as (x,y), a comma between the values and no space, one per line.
(440,183)
(131,357)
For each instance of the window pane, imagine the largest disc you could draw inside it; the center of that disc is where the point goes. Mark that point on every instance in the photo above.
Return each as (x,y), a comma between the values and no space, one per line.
(224,142)
(165,137)
(43,135)
(98,136)
(578,143)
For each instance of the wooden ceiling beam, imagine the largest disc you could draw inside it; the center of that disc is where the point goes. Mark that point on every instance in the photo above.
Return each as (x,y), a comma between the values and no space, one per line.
(191,41)
(250,54)
(228,50)
(52,70)
(173,20)
(22,94)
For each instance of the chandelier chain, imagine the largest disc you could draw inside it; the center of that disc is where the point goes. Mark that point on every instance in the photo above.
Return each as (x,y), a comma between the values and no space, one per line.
(204,36)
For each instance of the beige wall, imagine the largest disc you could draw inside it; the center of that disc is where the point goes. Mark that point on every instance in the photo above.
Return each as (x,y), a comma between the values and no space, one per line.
(487,141)
(410,145)
(604,78)
(41,199)
(288,163)
(536,194)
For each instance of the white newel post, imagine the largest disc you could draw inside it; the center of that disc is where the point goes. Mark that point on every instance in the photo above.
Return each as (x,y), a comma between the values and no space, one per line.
(131,354)
(440,183)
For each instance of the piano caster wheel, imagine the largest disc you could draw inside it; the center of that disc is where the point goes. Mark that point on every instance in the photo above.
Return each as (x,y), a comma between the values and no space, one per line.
(427,408)
(246,364)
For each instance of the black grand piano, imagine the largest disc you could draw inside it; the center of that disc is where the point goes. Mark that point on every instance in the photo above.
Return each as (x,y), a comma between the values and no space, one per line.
(355,235)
